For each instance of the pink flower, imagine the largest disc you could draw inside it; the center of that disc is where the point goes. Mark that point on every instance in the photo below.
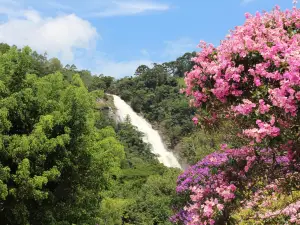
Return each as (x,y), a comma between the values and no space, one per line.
(224,146)
(220,207)
(250,160)
(226,192)
(263,108)
(198,194)
(279,98)
(257,81)
(200,97)
(297,95)
(245,108)
(263,131)
(293,219)
(232,187)
(211,222)
(208,210)
(195,120)
(273,187)
(221,89)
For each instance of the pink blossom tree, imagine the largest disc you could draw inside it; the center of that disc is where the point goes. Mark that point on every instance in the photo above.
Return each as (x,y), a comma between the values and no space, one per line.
(253,80)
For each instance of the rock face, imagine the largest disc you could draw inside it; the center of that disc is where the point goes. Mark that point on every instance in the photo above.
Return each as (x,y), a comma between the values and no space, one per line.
(106,105)
(112,114)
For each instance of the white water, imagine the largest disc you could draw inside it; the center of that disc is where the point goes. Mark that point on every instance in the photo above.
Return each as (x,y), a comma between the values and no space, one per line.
(151,136)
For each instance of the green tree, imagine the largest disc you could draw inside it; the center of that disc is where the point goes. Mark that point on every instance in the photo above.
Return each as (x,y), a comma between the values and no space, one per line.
(54,163)
(54,65)
(141,69)
(154,201)
(4,48)
(101,82)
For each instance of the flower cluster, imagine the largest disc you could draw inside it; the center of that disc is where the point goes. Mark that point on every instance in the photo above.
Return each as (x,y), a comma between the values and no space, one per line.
(292,211)
(257,65)
(208,189)
(226,192)
(263,107)
(245,108)
(212,192)
(254,78)
(212,183)
(265,129)
(262,204)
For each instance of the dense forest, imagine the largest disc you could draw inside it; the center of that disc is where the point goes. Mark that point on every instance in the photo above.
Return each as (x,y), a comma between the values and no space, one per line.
(64,160)
(230,113)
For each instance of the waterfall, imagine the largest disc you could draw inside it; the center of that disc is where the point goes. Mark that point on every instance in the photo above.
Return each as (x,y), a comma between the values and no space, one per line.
(151,136)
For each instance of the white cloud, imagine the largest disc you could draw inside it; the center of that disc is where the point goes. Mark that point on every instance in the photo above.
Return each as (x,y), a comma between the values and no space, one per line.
(119,69)
(93,8)
(32,16)
(67,35)
(176,48)
(118,8)
(58,36)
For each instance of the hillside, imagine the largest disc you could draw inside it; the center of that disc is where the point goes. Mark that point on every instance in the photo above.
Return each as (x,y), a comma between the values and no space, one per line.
(64,160)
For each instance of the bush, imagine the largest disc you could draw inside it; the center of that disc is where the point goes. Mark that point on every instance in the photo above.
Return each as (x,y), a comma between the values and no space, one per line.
(251,79)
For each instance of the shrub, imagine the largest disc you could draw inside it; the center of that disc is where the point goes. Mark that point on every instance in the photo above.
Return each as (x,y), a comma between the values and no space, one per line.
(251,79)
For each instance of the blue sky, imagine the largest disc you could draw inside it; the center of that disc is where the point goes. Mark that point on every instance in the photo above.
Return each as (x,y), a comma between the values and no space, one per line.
(115,36)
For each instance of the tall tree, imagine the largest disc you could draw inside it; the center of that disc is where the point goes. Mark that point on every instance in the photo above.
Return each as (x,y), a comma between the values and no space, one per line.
(54,163)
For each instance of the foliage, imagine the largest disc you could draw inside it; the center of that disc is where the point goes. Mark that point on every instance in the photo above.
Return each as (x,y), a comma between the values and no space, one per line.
(141,69)
(62,155)
(251,79)
(101,82)
(267,206)
(145,181)
(182,64)
(199,144)
(133,142)
(41,66)
(154,200)
(144,190)
(155,94)
(54,163)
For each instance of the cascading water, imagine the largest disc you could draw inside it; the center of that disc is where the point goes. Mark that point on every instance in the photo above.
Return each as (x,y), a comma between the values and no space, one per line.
(151,136)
